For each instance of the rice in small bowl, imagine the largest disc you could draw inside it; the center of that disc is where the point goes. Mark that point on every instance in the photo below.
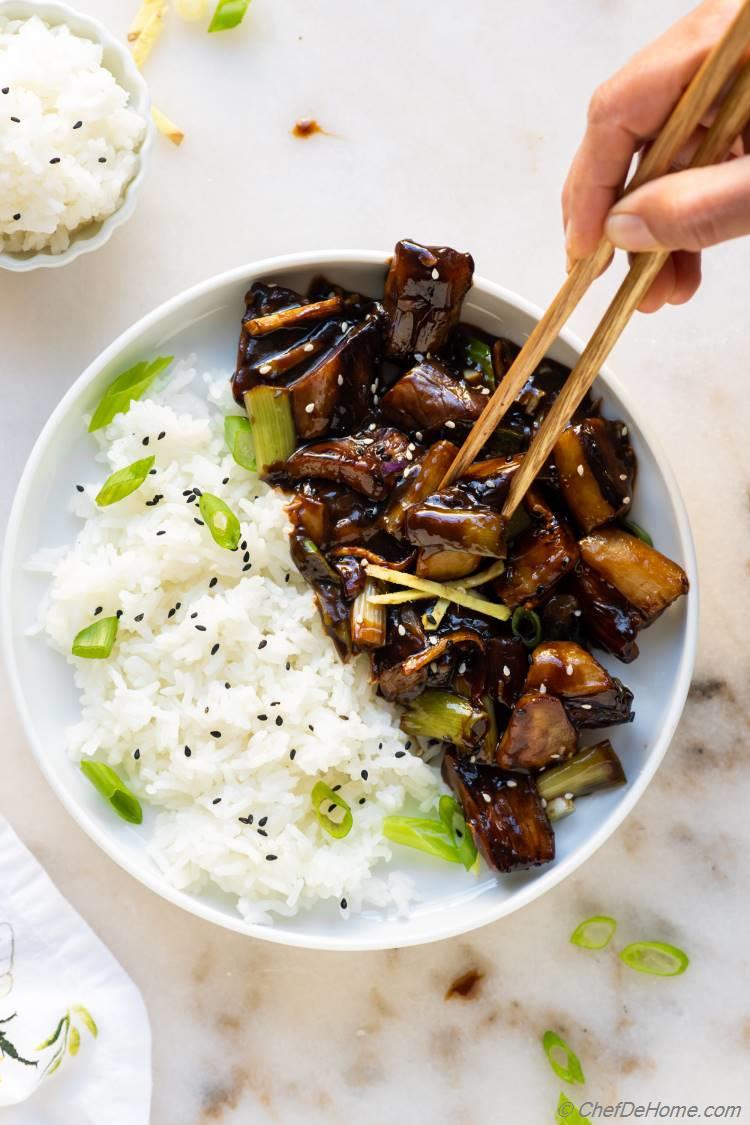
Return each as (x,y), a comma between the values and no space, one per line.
(74,130)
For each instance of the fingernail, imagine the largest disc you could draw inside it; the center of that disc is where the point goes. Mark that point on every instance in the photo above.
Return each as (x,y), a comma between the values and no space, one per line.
(568,256)
(630,232)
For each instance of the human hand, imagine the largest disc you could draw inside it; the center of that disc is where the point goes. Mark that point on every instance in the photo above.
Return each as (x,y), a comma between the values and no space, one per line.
(685,211)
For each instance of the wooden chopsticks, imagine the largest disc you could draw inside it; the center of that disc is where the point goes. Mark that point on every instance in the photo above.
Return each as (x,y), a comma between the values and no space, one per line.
(703,91)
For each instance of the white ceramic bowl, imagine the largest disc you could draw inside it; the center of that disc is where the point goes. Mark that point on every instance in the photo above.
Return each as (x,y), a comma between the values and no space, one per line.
(117,59)
(205,320)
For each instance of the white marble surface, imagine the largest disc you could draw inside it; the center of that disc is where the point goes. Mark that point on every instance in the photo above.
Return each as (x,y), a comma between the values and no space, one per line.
(454,123)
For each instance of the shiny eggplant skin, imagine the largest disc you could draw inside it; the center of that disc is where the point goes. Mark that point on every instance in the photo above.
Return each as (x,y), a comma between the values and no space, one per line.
(507,667)
(538,733)
(441,565)
(507,821)
(608,620)
(539,558)
(596,469)
(420,480)
(591,697)
(475,530)
(370,463)
(327,585)
(424,291)
(645,577)
(429,396)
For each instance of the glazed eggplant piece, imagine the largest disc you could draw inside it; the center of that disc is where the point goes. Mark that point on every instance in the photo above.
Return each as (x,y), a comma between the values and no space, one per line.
(352,518)
(538,733)
(504,812)
(429,398)
(369,463)
(473,529)
(441,565)
(591,697)
(422,479)
(327,585)
(507,666)
(610,622)
(538,558)
(596,469)
(405,637)
(648,580)
(424,290)
(561,618)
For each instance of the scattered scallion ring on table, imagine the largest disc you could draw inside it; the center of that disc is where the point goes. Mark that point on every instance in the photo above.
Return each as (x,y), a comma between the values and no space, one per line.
(127,387)
(220,521)
(568,1113)
(657,958)
(323,794)
(595,932)
(640,532)
(526,626)
(114,790)
(95,641)
(121,483)
(569,1069)
(228,14)
(238,436)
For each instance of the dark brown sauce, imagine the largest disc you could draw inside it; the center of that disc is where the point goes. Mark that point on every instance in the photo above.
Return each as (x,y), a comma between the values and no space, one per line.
(465,986)
(306,127)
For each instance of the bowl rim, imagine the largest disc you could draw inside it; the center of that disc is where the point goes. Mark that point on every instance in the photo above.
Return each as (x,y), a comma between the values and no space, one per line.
(449,924)
(56,12)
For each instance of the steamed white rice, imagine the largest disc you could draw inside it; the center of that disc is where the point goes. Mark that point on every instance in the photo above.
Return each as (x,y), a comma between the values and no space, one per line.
(57,175)
(274,686)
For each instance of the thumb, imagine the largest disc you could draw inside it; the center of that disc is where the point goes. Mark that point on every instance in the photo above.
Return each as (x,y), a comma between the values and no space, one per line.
(684,211)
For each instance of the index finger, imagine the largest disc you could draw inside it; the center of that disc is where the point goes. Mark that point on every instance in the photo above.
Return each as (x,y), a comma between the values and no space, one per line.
(629,109)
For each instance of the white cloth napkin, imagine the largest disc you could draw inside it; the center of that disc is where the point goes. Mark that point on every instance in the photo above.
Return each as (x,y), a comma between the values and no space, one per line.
(53,968)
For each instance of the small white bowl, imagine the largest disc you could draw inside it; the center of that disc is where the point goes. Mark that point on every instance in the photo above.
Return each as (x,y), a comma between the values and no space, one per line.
(205,321)
(117,59)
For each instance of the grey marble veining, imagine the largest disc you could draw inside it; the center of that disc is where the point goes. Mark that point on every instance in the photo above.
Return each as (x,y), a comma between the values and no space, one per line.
(453,122)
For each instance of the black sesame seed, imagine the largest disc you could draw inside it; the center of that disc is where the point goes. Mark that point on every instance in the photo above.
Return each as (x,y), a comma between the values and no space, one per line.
(118,615)
(193,615)
(6,89)
(79,487)
(243,544)
(380,746)
(197,492)
(246,819)
(216,800)
(344,717)
(261,832)
(139,617)
(263,643)
(212,583)
(288,666)
(17,216)
(331,808)
(227,686)
(343,904)
(161,533)
(102,160)
(145,440)
(362,800)
(263,821)
(246,567)
(172,612)
(262,718)
(226,480)
(400,754)
(215,649)
(161,435)
(275,703)
(407,744)
(311,727)
(286,577)
(188,751)
(201,628)
(152,472)
(98,610)
(188,492)
(246,557)
(178,605)
(17,120)
(271,857)
(78,125)
(292,755)
(215,734)
(364,774)
(136,754)
(199,522)
(279,721)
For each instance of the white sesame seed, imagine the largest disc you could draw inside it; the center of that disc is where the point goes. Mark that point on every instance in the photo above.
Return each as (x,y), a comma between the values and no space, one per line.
(401,631)
(264,370)
(373,387)
(568,796)
(579,470)
(419,435)
(435,275)
(308,347)
(485,390)
(626,499)
(554,757)
(511,783)
(450,424)
(506,670)
(344,325)
(544,800)
(577,612)
(433,640)
(418,357)
(461,668)
(623,476)
(367,441)
(340,380)
(568,669)
(585,706)
(376,399)
(372,427)
(411,446)
(409,455)
(487,798)
(624,431)
(309,408)
(542,689)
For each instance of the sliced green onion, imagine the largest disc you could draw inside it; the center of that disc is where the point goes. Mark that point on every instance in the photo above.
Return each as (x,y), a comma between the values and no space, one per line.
(636,529)
(238,436)
(526,626)
(337,828)
(228,14)
(655,957)
(452,816)
(104,778)
(480,354)
(221,521)
(120,484)
(127,387)
(591,769)
(430,836)
(445,716)
(87,1018)
(562,1059)
(595,933)
(96,640)
(368,620)
(274,436)
(568,1113)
